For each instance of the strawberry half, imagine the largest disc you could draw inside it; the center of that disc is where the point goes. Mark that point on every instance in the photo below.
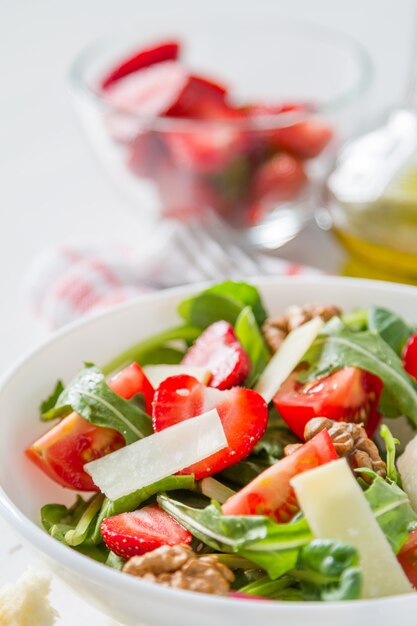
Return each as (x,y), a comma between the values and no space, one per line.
(150,92)
(219,350)
(198,93)
(243,413)
(144,530)
(167,51)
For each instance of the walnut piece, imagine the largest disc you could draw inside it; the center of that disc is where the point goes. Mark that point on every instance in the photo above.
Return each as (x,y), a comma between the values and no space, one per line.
(351,441)
(275,329)
(179,567)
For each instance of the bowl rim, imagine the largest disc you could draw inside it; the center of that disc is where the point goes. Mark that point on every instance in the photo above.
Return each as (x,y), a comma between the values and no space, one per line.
(81,87)
(105,576)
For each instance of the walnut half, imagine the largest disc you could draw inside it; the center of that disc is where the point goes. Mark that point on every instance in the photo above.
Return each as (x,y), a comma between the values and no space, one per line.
(275,329)
(350,441)
(179,567)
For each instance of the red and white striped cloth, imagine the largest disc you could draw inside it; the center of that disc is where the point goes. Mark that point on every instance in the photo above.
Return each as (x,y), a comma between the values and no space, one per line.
(69,281)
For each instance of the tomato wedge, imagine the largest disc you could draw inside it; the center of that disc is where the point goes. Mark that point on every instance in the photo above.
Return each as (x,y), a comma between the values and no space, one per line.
(350,394)
(407,557)
(62,452)
(410,356)
(271,493)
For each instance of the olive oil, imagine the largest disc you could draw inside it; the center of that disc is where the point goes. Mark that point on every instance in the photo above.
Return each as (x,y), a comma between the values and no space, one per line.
(381,236)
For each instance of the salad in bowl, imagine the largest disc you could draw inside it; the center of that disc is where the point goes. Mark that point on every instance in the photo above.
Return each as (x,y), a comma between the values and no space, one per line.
(244,451)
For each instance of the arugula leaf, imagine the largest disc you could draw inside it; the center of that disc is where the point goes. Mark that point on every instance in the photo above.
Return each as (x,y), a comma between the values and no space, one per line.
(222,302)
(81,531)
(369,352)
(163,356)
(267,588)
(140,352)
(207,308)
(135,499)
(249,335)
(390,443)
(115,561)
(272,546)
(392,510)
(244,294)
(328,570)
(60,522)
(90,396)
(393,330)
(51,400)
(325,570)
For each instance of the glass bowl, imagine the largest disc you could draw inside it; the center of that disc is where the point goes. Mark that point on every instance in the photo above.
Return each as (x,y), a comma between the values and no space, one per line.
(297,91)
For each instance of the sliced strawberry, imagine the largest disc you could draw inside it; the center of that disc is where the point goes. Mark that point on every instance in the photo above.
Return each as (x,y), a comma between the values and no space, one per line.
(280,179)
(243,413)
(131,381)
(167,51)
(142,531)
(219,350)
(306,139)
(150,92)
(198,92)
(206,148)
(410,356)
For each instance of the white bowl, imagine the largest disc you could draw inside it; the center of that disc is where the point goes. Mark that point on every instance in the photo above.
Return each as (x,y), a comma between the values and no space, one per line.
(24,489)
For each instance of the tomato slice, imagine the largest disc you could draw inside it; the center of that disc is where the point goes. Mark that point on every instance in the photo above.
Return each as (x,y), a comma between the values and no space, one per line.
(410,356)
(350,394)
(62,452)
(271,493)
(407,557)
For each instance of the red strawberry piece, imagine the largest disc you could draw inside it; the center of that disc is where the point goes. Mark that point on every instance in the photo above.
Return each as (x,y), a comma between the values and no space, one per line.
(198,92)
(167,51)
(150,92)
(280,179)
(206,148)
(305,139)
(144,530)
(219,350)
(410,356)
(243,413)
(146,154)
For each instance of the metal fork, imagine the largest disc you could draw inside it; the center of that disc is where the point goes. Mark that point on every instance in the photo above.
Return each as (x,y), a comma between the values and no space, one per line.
(207,248)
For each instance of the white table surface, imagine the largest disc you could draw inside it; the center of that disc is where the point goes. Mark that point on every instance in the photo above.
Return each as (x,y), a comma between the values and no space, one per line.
(52,189)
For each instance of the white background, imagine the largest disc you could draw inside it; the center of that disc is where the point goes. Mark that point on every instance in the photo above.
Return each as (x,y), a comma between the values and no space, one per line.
(52,189)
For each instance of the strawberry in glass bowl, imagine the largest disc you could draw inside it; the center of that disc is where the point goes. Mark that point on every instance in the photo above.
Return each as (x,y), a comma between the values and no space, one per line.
(210,122)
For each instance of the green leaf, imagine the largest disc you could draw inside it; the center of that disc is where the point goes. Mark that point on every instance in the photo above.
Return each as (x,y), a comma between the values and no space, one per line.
(267,588)
(115,561)
(393,330)
(207,308)
(134,500)
(90,396)
(244,294)
(53,514)
(50,402)
(162,356)
(390,443)
(367,351)
(140,352)
(272,546)
(222,302)
(60,522)
(392,510)
(251,338)
(328,570)
(82,530)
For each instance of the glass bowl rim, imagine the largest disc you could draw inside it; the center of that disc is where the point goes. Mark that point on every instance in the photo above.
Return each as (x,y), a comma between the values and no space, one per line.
(81,87)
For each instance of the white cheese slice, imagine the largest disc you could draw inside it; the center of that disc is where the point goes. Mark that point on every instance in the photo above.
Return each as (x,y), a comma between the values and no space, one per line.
(158,373)
(162,454)
(292,350)
(26,601)
(407,466)
(336,508)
